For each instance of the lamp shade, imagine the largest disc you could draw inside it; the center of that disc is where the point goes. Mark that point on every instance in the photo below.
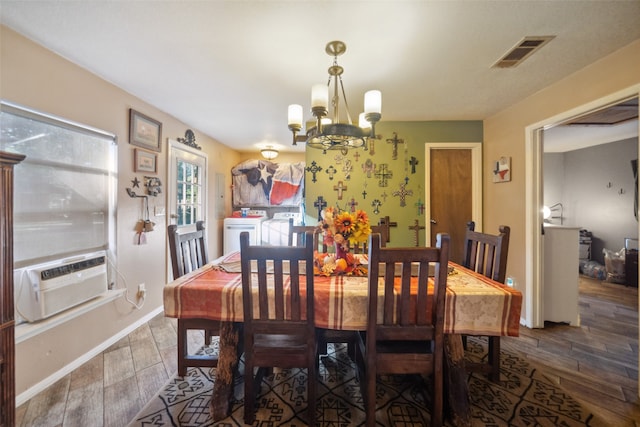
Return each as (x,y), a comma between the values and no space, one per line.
(373,102)
(320,96)
(295,114)
(269,153)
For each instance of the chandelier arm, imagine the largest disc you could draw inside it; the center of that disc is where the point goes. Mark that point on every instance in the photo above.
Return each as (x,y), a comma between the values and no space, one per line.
(346,106)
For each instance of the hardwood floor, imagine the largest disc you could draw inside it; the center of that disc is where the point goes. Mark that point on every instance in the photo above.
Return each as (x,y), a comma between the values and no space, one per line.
(596,363)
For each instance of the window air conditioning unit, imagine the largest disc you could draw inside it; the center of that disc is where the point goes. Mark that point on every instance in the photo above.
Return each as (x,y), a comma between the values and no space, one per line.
(58,286)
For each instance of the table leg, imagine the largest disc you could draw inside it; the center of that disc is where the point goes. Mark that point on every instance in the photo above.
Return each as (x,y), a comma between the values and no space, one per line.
(227,366)
(456,387)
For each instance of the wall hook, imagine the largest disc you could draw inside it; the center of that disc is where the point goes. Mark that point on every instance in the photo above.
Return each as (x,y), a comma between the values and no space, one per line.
(132,193)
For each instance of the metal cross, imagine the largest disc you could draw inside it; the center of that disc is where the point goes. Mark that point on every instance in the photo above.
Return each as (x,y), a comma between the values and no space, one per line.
(338,158)
(320,204)
(402,193)
(339,188)
(395,142)
(376,206)
(413,162)
(352,203)
(420,206)
(384,196)
(383,174)
(368,167)
(331,171)
(416,227)
(356,155)
(364,194)
(347,168)
(314,169)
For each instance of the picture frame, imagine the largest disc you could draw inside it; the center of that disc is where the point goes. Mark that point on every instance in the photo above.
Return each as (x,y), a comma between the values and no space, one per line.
(502,170)
(145,161)
(144,131)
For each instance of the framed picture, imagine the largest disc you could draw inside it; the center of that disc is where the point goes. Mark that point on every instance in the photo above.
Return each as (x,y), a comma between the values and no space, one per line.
(502,170)
(145,161)
(144,131)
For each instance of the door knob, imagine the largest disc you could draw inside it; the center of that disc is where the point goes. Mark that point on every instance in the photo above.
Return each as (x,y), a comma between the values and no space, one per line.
(433,221)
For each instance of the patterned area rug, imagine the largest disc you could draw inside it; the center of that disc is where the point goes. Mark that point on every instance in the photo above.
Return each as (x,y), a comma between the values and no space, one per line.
(525,397)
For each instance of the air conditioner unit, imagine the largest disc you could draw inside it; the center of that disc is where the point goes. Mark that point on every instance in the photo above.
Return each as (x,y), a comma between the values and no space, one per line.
(58,286)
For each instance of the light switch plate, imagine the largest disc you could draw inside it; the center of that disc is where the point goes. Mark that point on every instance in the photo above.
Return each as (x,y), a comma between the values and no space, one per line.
(159,211)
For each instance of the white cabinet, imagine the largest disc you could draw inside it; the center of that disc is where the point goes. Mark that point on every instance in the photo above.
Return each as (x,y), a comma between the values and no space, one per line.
(560,289)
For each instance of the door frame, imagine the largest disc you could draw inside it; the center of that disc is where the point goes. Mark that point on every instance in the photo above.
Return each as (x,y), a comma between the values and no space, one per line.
(534,317)
(175,146)
(476,174)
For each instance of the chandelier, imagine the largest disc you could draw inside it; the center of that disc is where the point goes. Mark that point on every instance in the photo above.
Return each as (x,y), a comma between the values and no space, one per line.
(330,134)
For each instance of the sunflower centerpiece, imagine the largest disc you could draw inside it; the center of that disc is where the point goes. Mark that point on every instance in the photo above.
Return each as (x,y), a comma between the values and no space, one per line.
(340,230)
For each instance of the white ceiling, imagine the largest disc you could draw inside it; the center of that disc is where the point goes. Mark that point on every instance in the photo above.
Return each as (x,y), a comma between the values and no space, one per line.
(230,68)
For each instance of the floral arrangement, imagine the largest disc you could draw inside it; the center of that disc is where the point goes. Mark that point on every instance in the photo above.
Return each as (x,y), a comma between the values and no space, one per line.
(339,230)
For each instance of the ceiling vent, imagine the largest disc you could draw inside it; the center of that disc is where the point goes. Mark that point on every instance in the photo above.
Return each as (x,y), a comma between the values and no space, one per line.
(521,51)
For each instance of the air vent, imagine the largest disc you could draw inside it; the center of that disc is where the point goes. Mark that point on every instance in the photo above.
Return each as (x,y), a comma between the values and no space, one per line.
(521,51)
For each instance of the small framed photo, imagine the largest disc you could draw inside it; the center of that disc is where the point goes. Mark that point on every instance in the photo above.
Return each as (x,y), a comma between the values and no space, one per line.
(502,169)
(145,161)
(144,131)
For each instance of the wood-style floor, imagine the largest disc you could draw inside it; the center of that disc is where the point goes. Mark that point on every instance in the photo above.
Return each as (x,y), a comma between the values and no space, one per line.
(596,363)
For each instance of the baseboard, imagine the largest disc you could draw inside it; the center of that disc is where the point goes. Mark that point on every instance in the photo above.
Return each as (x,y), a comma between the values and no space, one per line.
(56,376)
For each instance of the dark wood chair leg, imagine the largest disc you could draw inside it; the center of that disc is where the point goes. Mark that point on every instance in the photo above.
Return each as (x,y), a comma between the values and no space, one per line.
(494,359)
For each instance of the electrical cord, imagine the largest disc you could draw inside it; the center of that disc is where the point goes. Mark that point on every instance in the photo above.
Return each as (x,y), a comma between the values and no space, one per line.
(126,288)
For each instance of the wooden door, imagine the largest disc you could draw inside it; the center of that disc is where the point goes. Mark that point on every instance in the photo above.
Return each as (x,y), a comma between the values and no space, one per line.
(451,192)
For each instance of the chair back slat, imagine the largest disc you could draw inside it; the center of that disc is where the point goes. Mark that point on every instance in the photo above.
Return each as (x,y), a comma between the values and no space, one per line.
(188,250)
(486,253)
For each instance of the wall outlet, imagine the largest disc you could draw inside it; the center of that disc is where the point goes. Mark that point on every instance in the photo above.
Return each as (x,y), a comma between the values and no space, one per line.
(142,291)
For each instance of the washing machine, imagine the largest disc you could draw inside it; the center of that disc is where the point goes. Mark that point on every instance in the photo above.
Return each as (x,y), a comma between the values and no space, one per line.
(275,231)
(236,224)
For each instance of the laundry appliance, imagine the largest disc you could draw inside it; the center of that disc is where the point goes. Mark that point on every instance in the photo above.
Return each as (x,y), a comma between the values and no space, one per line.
(236,224)
(275,231)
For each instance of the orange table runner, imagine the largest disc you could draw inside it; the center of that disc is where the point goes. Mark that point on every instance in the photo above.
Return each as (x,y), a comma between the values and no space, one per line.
(475,304)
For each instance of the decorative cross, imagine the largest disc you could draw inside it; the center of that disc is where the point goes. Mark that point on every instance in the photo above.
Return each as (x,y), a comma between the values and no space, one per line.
(395,142)
(352,203)
(416,227)
(320,204)
(376,206)
(364,194)
(356,155)
(338,158)
(331,170)
(347,168)
(406,180)
(372,148)
(384,196)
(314,169)
(402,193)
(368,167)
(387,223)
(413,162)
(420,206)
(383,174)
(339,188)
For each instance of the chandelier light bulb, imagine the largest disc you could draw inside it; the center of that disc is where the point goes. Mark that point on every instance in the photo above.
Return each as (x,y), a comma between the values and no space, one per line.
(373,102)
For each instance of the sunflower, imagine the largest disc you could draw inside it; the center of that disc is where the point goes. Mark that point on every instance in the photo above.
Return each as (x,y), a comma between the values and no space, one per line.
(345,223)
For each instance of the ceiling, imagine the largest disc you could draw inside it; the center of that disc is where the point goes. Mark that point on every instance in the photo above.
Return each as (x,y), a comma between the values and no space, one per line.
(229,69)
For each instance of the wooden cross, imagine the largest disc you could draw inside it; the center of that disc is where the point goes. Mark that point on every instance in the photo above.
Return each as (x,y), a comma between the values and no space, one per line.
(395,141)
(347,168)
(331,171)
(356,155)
(402,193)
(314,169)
(416,227)
(352,203)
(368,167)
(339,188)
(420,206)
(376,206)
(413,162)
(320,204)
(383,174)
(387,223)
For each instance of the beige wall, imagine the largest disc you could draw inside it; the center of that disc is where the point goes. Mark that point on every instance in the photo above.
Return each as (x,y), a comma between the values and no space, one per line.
(504,135)
(37,78)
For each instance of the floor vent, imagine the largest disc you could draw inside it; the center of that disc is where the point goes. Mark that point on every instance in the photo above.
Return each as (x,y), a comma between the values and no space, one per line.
(521,51)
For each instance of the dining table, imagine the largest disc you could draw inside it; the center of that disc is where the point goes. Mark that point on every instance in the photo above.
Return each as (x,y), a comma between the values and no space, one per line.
(474,305)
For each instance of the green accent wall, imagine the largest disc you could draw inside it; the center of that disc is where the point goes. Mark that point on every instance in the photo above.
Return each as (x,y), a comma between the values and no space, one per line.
(351,169)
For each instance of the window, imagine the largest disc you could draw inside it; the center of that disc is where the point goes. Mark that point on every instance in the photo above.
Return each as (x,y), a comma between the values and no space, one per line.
(64,198)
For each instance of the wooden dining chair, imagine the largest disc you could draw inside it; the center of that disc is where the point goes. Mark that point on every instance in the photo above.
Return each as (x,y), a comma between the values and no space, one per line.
(279,327)
(487,254)
(326,336)
(297,235)
(408,338)
(189,252)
